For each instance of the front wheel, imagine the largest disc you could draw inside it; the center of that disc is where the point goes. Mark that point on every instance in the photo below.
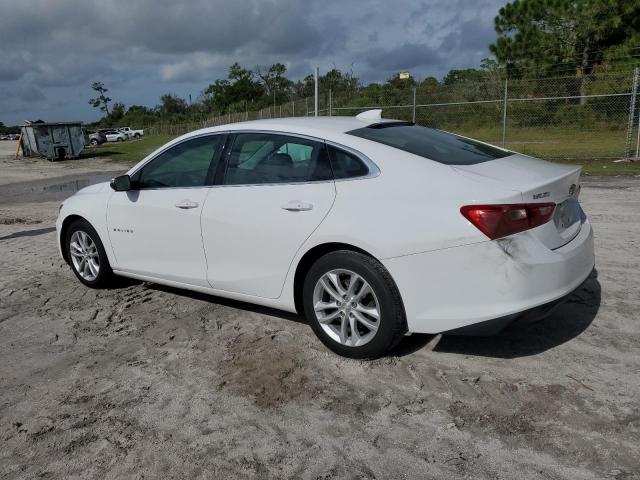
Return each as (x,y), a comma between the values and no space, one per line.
(94,142)
(120,139)
(353,305)
(86,255)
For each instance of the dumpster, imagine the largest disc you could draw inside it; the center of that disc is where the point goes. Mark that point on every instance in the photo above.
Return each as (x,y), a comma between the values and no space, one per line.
(54,141)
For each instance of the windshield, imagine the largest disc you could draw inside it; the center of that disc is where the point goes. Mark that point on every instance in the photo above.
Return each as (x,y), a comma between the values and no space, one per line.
(429,143)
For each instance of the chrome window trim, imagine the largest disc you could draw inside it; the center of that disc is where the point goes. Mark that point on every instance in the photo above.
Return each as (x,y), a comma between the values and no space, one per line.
(374,171)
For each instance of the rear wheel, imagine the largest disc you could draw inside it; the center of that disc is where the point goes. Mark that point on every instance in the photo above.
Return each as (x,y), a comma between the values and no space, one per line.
(86,255)
(353,305)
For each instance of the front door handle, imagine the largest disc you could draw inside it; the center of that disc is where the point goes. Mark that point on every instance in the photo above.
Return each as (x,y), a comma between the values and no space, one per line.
(186,204)
(297,206)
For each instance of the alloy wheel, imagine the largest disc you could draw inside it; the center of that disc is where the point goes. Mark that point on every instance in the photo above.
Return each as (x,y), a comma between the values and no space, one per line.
(346,307)
(84,255)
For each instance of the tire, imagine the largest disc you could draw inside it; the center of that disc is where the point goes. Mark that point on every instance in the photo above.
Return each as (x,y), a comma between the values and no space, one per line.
(375,337)
(94,142)
(136,136)
(88,276)
(120,139)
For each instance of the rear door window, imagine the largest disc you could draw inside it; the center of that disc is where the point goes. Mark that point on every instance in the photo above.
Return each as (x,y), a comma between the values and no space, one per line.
(433,144)
(264,158)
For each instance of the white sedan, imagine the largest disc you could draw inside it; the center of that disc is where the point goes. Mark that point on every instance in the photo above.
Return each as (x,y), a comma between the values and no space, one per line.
(371,228)
(115,136)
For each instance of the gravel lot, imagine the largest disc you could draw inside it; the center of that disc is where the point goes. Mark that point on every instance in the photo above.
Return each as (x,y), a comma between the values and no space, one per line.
(146,381)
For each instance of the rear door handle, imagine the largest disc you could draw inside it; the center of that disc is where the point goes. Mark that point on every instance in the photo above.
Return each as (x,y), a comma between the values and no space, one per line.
(186,204)
(297,206)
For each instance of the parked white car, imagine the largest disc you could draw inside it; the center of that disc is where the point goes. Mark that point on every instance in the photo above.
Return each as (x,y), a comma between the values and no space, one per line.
(114,135)
(371,228)
(131,133)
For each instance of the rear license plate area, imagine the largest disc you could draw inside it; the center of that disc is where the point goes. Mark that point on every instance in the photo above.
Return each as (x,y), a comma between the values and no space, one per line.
(567,214)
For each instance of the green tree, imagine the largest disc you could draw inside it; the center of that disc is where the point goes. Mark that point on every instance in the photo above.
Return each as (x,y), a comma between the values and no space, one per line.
(101,100)
(171,105)
(240,87)
(430,82)
(400,83)
(139,110)
(463,75)
(274,83)
(553,36)
(117,113)
(341,84)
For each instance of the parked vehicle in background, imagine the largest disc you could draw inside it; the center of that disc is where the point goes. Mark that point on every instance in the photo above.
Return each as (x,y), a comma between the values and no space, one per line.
(97,138)
(126,134)
(372,228)
(113,135)
(10,136)
(132,133)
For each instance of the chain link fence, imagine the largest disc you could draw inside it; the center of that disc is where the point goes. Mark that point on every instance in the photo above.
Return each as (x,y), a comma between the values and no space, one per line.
(591,117)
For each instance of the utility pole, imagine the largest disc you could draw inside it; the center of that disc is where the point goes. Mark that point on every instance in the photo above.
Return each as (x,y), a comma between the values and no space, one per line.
(504,112)
(632,111)
(315,81)
(413,115)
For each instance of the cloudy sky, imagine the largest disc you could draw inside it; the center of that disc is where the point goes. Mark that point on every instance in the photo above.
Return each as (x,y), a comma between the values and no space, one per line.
(52,50)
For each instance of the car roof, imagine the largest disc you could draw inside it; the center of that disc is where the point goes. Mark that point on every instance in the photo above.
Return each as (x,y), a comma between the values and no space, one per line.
(321,127)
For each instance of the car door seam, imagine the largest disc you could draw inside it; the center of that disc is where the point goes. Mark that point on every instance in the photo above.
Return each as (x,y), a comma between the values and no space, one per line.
(335,196)
(106,222)
(204,250)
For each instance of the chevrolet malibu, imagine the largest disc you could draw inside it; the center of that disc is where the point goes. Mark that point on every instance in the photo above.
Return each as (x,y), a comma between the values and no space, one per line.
(371,228)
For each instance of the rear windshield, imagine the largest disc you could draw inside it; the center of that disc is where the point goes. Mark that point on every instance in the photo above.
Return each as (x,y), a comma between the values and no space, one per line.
(429,143)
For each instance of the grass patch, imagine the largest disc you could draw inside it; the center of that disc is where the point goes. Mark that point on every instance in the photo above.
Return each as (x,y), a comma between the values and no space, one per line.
(595,150)
(131,151)
(597,167)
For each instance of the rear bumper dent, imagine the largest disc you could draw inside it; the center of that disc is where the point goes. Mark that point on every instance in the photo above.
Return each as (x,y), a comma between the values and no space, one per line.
(449,289)
(497,325)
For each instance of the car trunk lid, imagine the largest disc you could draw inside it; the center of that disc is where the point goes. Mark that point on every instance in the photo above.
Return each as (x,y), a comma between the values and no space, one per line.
(537,181)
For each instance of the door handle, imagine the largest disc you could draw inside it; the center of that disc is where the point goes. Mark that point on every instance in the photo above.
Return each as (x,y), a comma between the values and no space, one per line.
(186,204)
(297,206)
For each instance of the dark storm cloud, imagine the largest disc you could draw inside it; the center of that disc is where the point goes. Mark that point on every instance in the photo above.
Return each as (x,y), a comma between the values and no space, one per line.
(402,57)
(470,36)
(9,72)
(30,94)
(144,48)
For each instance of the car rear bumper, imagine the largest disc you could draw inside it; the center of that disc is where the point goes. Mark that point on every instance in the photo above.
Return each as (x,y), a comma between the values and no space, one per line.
(447,290)
(497,325)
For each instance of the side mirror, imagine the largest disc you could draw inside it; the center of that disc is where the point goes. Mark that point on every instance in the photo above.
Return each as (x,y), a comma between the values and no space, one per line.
(121,183)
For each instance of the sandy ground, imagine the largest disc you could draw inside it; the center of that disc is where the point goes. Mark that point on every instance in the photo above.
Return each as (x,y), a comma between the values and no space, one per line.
(143,381)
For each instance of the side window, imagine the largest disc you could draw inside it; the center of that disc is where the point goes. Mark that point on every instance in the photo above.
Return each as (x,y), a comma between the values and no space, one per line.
(184,165)
(259,158)
(345,164)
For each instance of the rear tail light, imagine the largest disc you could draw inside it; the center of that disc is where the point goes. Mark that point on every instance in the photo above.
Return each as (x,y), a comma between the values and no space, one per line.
(497,221)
